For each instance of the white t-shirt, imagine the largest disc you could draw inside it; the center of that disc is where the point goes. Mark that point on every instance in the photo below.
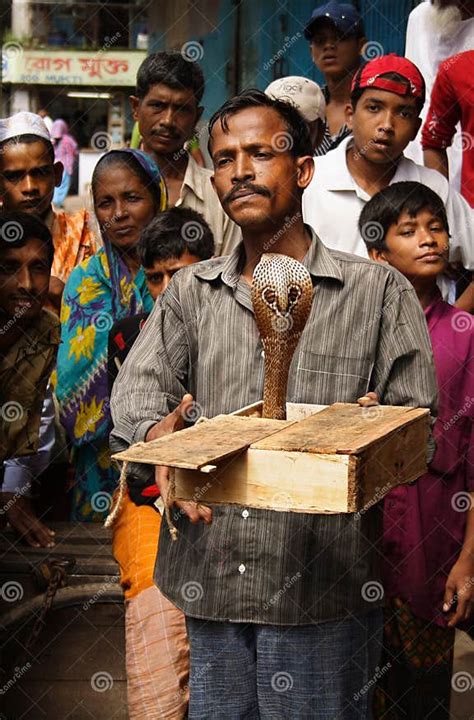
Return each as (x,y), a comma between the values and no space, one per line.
(427,48)
(333,202)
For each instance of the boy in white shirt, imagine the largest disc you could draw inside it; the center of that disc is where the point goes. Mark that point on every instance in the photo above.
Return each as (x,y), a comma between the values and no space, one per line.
(386,100)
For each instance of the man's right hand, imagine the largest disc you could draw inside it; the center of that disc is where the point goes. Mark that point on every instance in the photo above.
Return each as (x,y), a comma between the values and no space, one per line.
(172,423)
(22,518)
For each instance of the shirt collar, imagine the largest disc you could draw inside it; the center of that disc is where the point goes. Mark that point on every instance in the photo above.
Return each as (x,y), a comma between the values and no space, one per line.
(194,178)
(318,261)
(336,175)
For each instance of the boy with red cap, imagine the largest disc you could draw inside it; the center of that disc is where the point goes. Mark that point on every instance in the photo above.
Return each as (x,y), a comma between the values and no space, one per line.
(386,100)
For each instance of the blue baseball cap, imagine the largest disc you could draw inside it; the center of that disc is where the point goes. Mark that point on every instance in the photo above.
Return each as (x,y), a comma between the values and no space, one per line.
(343,15)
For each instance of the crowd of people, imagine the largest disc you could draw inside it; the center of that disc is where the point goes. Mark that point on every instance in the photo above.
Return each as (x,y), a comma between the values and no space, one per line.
(116,337)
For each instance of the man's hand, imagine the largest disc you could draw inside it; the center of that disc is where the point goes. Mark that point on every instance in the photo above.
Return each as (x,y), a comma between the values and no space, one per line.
(172,423)
(368,400)
(22,518)
(459,591)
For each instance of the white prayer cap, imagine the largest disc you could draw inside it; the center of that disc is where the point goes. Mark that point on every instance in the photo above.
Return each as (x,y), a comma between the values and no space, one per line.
(23,123)
(305,94)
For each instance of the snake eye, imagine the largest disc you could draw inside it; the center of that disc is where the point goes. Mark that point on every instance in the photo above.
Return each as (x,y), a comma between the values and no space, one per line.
(294,293)
(269,296)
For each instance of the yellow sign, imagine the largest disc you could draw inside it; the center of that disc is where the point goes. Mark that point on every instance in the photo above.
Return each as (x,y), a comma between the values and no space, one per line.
(64,67)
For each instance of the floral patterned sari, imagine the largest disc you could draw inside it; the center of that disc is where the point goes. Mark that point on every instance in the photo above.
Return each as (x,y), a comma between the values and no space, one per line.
(100,291)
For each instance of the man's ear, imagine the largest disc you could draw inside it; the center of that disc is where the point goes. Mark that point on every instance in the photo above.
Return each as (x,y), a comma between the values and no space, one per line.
(134,104)
(58,169)
(349,112)
(378,255)
(304,171)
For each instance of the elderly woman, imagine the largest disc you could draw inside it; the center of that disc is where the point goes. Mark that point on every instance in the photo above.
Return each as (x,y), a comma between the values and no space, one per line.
(128,191)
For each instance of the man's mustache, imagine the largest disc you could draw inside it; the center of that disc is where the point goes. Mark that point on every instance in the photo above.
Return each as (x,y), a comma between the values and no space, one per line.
(257,189)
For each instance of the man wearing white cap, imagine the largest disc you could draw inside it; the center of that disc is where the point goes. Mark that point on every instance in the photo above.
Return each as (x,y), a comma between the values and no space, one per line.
(28,176)
(307,97)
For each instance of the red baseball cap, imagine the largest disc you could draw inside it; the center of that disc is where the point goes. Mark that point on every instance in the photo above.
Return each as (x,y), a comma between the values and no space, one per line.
(369,76)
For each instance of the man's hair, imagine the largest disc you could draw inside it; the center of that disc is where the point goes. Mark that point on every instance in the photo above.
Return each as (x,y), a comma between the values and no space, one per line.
(118,157)
(386,207)
(172,233)
(298,142)
(28,139)
(171,69)
(16,228)
(357,94)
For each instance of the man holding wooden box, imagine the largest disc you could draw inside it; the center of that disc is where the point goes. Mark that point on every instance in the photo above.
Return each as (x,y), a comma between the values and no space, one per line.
(283,609)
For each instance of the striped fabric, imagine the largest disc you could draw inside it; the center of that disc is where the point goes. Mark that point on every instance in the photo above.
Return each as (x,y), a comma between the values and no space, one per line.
(366,331)
(329,142)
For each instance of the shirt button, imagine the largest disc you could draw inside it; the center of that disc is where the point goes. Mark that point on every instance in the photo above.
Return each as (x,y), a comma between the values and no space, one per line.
(245,514)
(262,353)
(241,569)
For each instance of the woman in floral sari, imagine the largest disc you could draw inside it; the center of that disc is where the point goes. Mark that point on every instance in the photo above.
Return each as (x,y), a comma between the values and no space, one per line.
(128,192)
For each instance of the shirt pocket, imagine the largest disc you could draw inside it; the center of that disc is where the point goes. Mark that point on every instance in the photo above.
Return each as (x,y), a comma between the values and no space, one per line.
(325,379)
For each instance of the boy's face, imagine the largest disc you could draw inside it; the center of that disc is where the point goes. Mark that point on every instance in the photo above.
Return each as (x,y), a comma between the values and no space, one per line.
(24,280)
(416,246)
(28,177)
(257,179)
(166,117)
(383,124)
(333,54)
(158,277)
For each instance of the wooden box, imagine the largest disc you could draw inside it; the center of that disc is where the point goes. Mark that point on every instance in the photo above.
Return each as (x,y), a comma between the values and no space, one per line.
(322,459)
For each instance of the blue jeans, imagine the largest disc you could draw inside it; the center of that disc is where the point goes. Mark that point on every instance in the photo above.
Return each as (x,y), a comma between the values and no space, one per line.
(319,672)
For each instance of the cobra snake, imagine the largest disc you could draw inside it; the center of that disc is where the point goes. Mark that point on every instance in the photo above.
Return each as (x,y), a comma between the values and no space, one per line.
(281,296)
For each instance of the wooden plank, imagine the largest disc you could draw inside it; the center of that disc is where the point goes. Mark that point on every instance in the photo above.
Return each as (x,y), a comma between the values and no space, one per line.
(299,411)
(393,460)
(284,481)
(341,428)
(203,444)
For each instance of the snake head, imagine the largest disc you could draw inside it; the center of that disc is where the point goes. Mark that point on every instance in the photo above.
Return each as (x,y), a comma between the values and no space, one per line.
(281,294)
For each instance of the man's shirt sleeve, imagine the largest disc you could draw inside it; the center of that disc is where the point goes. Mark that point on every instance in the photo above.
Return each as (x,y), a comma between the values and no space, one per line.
(444,113)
